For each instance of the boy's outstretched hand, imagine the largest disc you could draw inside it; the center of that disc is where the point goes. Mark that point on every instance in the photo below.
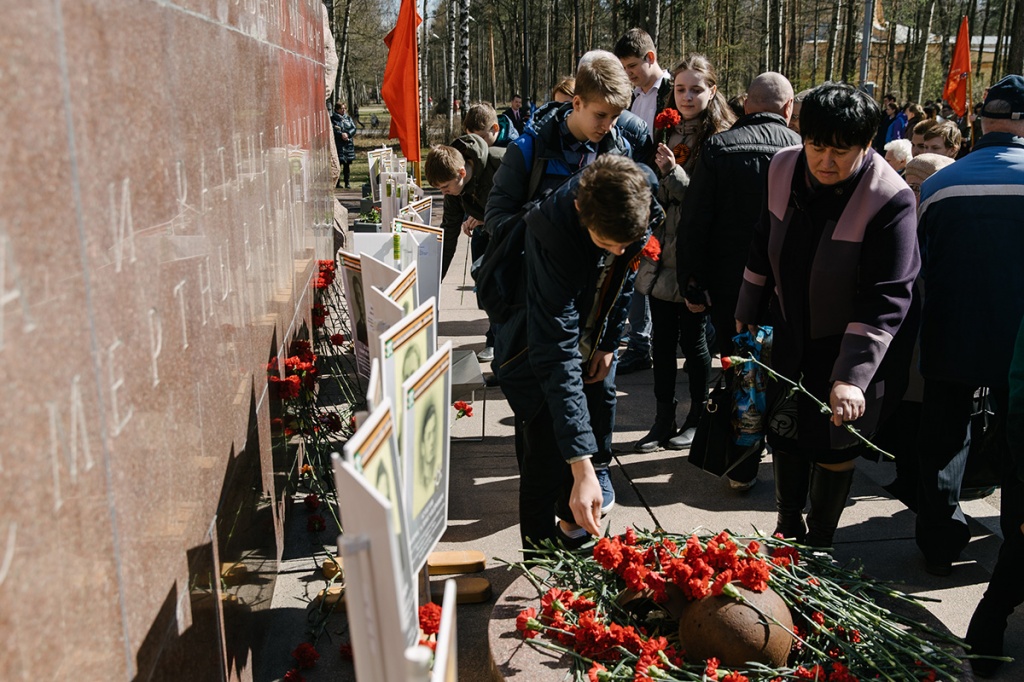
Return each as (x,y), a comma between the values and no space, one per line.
(599,367)
(586,498)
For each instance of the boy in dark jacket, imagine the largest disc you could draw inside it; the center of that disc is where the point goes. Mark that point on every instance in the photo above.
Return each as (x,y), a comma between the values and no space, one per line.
(464,172)
(558,352)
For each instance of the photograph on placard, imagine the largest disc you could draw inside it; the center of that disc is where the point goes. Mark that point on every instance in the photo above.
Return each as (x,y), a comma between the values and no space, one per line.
(404,347)
(382,313)
(446,660)
(385,588)
(352,277)
(374,452)
(403,290)
(377,158)
(425,451)
(429,243)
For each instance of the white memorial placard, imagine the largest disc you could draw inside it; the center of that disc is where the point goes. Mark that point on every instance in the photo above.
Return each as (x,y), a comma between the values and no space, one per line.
(425,448)
(383,246)
(403,289)
(446,660)
(404,347)
(352,277)
(377,159)
(428,250)
(382,313)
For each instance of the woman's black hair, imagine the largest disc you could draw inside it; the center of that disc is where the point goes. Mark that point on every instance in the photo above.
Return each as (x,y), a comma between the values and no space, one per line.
(838,115)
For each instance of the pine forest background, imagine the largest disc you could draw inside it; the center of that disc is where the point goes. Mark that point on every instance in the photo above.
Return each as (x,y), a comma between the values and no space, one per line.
(474,52)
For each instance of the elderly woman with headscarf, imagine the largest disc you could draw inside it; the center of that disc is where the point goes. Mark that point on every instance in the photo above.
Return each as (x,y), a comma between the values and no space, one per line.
(833,261)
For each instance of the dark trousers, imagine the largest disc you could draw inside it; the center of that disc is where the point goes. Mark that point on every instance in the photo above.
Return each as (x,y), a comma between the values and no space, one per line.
(942,447)
(671,324)
(723,315)
(1006,590)
(545,479)
(477,246)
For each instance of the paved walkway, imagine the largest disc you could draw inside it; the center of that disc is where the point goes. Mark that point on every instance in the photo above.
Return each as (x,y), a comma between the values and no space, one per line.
(663,490)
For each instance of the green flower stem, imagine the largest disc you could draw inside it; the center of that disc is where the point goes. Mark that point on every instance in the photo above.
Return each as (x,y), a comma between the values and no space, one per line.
(798,386)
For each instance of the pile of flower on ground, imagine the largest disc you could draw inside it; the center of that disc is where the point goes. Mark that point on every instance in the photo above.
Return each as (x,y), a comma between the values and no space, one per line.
(841,632)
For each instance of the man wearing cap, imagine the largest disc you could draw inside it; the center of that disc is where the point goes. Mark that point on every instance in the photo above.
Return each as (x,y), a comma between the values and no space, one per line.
(972,247)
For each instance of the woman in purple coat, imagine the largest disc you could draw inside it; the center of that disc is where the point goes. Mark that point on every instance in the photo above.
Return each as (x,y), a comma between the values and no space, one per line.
(833,260)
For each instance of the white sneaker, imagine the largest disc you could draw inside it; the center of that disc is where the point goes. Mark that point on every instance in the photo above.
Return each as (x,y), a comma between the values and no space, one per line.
(486,355)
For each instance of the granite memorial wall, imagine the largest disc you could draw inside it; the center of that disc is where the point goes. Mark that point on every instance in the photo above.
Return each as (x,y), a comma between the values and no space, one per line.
(165,199)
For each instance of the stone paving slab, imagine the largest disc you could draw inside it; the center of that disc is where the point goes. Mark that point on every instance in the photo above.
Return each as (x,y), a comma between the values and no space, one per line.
(657,489)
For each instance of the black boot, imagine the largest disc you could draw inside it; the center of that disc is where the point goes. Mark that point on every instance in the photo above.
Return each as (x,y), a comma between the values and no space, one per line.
(663,429)
(792,473)
(829,490)
(985,634)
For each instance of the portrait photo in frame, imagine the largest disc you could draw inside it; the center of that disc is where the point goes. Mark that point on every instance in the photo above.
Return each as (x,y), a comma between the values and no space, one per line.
(426,452)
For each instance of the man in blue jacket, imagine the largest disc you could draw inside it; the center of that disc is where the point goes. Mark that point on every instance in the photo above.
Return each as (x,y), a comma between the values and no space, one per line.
(559,350)
(972,247)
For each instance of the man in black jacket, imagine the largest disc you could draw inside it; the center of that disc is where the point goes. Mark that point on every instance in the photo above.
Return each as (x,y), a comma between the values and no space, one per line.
(724,203)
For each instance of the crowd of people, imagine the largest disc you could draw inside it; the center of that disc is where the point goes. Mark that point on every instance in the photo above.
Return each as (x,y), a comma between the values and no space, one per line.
(880,244)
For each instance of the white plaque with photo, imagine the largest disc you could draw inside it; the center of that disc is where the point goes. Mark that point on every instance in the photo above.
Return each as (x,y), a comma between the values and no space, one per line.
(404,347)
(429,243)
(425,447)
(352,276)
(376,159)
(382,313)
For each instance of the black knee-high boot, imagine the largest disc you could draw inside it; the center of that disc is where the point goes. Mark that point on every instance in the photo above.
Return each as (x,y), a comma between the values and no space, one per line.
(829,490)
(792,473)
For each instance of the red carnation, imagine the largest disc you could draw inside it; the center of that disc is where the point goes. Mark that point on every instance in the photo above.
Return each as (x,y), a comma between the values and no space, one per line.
(337,339)
(668,118)
(345,651)
(312,502)
(525,622)
(430,618)
(305,655)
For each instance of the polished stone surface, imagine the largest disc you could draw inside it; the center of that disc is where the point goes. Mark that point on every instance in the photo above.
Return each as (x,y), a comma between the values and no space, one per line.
(165,200)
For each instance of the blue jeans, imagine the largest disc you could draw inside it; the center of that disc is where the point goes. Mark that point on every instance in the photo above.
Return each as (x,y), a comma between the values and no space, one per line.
(639,325)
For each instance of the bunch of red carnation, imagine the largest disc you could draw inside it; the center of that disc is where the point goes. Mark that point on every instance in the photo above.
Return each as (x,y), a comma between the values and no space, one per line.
(462,409)
(300,372)
(325,277)
(699,571)
(574,621)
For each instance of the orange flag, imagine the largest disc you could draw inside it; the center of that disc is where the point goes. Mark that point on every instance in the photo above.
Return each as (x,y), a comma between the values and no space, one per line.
(955,91)
(401,88)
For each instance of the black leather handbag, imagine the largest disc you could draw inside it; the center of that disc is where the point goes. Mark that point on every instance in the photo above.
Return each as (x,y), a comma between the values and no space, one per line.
(714,449)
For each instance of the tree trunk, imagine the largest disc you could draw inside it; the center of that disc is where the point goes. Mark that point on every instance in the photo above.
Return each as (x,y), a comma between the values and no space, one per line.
(452,94)
(833,40)
(464,93)
(890,52)
(1015,61)
(849,36)
(653,21)
(981,43)
(343,54)
(929,12)
(766,36)
(997,56)
(494,72)
(817,23)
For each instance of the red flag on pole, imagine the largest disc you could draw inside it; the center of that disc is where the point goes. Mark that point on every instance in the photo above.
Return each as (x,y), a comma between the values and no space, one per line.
(401,88)
(955,92)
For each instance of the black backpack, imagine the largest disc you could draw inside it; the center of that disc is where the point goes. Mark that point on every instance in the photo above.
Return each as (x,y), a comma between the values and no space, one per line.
(499,273)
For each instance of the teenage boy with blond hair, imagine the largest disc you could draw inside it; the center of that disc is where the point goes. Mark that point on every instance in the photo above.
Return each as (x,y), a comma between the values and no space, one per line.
(580,244)
(464,172)
(564,140)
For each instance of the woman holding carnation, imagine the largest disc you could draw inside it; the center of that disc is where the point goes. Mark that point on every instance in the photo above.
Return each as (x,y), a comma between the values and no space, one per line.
(835,255)
(700,111)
